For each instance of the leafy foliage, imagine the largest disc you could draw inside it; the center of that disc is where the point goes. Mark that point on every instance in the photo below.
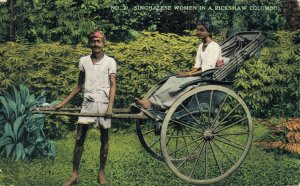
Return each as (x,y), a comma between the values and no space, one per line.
(54,68)
(40,67)
(143,62)
(43,67)
(257,19)
(270,84)
(285,135)
(21,132)
(69,21)
(64,21)
(290,147)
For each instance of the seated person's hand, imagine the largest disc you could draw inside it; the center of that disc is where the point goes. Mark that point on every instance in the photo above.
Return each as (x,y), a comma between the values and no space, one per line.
(220,63)
(182,74)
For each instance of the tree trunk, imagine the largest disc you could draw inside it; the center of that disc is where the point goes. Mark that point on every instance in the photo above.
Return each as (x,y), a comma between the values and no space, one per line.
(291,12)
(12,22)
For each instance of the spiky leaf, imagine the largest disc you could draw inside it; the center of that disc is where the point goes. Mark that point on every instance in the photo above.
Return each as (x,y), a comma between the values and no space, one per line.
(9,148)
(8,131)
(19,150)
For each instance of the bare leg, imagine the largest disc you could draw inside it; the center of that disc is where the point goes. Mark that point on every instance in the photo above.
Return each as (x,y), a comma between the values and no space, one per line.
(80,138)
(103,154)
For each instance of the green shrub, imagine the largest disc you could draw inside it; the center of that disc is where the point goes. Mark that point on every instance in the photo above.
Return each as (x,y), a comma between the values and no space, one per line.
(141,63)
(270,84)
(43,67)
(38,21)
(54,67)
(21,131)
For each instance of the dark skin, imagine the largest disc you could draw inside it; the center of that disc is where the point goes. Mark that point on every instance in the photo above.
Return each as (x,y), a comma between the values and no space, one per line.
(96,45)
(204,35)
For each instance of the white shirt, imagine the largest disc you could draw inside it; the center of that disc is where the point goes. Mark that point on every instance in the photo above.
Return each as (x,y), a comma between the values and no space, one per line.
(207,59)
(97,83)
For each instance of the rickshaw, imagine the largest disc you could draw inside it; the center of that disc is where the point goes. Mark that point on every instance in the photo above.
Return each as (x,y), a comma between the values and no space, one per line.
(207,132)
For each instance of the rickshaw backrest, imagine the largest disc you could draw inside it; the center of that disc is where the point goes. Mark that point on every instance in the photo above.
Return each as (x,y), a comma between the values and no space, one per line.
(236,50)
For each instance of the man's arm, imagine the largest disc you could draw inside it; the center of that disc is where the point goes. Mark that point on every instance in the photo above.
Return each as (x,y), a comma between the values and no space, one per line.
(112,94)
(74,91)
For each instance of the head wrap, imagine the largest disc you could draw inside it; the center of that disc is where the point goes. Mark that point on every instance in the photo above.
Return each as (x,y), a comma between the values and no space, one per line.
(207,24)
(97,34)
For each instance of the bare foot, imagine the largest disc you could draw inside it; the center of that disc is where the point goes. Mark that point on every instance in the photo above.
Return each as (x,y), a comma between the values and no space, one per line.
(101,178)
(71,181)
(145,103)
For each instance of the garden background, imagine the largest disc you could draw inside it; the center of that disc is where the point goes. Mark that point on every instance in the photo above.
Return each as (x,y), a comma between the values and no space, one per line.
(40,46)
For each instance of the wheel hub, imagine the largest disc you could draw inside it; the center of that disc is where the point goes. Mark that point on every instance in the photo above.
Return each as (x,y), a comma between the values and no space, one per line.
(208,135)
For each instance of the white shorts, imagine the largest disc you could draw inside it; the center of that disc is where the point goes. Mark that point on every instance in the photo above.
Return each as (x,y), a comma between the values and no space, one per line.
(94,107)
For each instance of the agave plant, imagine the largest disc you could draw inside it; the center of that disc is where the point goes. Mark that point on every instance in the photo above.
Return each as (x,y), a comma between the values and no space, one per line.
(21,132)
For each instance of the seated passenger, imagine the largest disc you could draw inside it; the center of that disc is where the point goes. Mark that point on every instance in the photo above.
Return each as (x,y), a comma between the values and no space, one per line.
(208,53)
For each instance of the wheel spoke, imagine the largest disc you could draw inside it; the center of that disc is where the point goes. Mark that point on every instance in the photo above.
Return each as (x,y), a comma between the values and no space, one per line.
(219,111)
(197,158)
(176,143)
(147,132)
(198,104)
(214,134)
(227,127)
(189,113)
(210,103)
(229,144)
(225,122)
(186,125)
(154,142)
(170,128)
(191,122)
(196,125)
(185,146)
(183,136)
(148,139)
(235,107)
(206,167)
(184,140)
(189,155)
(189,133)
(231,134)
(230,141)
(223,153)
(212,150)
(170,138)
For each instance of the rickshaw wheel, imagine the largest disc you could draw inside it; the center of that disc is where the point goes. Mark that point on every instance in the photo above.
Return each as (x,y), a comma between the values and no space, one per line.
(149,140)
(146,131)
(216,128)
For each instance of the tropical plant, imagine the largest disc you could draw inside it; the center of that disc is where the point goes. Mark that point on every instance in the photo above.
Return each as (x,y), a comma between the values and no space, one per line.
(21,131)
(284,136)
(270,84)
(45,21)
